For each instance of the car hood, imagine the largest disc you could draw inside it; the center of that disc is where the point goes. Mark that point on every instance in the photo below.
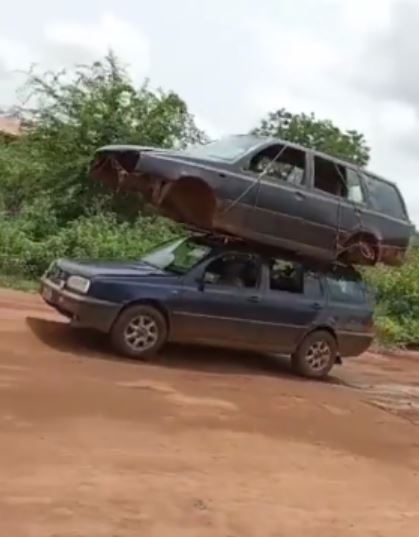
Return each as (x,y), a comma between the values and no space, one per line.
(122,166)
(90,269)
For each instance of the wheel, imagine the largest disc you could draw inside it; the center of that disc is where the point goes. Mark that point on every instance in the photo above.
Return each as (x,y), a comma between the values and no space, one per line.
(361,252)
(316,355)
(139,332)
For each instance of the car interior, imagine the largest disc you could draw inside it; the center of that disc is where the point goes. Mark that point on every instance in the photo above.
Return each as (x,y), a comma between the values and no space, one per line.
(286,276)
(234,270)
(280,162)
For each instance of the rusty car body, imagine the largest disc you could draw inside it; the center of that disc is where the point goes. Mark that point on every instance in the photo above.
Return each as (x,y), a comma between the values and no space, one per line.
(270,192)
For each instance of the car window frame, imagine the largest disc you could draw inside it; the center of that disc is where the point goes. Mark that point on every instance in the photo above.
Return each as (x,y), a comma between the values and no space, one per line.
(319,191)
(197,273)
(351,303)
(358,173)
(245,163)
(320,279)
(373,177)
(268,289)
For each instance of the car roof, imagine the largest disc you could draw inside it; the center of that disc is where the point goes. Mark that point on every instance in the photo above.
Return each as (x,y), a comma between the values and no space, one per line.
(261,142)
(266,141)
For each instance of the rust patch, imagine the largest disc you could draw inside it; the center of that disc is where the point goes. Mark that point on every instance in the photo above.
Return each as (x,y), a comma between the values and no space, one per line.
(188,200)
(111,172)
(393,255)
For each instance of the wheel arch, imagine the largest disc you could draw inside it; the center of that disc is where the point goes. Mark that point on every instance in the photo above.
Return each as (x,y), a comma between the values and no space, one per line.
(320,328)
(323,328)
(191,198)
(146,302)
(371,236)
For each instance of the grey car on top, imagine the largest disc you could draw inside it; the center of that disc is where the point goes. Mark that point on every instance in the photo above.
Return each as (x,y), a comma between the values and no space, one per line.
(270,192)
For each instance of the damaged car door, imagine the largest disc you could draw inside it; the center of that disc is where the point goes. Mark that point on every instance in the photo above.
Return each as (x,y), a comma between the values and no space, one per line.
(335,207)
(279,194)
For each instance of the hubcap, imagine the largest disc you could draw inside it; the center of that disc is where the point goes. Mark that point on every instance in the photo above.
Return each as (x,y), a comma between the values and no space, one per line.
(141,333)
(367,251)
(318,355)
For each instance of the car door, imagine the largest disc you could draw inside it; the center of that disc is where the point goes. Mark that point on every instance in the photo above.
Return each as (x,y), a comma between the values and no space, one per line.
(322,209)
(278,196)
(353,207)
(213,312)
(291,305)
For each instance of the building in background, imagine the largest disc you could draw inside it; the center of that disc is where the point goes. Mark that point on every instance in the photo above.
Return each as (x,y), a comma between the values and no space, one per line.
(10,127)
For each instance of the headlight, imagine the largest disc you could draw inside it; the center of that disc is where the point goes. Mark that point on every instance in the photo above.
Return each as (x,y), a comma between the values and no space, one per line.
(78,283)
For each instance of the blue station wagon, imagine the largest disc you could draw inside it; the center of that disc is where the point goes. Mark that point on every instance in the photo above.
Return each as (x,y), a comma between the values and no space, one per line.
(203,290)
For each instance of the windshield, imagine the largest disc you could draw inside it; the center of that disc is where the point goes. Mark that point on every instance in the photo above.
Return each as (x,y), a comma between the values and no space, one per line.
(228,149)
(178,256)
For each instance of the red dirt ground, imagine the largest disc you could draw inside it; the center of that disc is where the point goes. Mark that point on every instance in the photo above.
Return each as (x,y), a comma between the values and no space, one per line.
(201,443)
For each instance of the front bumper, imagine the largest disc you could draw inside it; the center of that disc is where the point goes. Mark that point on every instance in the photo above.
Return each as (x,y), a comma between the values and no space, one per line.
(84,311)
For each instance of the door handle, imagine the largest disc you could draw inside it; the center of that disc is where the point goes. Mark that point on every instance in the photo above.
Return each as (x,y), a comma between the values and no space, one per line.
(316,306)
(253,299)
(300,196)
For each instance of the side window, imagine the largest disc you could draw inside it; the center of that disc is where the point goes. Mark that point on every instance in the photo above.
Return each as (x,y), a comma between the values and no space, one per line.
(346,290)
(280,163)
(354,186)
(385,197)
(312,285)
(329,177)
(286,276)
(337,180)
(233,270)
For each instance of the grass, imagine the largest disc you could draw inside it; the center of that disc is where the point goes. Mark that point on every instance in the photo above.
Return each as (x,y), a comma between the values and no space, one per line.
(18,283)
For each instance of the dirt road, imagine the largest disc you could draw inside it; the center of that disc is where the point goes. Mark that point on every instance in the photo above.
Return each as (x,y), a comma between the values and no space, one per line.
(202,443)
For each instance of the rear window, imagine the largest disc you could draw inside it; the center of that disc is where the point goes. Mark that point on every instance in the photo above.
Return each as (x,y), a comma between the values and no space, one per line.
(385,198)
(285,276)
(345,289)
(291,277)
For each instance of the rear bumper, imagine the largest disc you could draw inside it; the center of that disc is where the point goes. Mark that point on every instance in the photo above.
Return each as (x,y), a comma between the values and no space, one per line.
(353,343)
(84,311)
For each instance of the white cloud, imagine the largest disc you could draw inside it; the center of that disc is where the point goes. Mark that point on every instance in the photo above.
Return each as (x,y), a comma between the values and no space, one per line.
(65,43)
(68,43)
(351,63)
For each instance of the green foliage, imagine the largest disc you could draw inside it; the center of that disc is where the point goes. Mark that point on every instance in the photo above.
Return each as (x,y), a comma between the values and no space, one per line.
(101,236)
(321,135)
(397,294)
(72,114)
(49,208)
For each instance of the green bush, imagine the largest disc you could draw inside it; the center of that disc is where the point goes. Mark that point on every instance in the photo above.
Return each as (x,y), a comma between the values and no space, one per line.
(397,295)
(100,236)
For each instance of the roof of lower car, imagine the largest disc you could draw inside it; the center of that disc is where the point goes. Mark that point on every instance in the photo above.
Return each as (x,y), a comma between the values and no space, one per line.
(232,244)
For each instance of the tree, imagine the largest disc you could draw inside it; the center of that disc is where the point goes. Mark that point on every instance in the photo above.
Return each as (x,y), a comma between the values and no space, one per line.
(321,135)
(70,115)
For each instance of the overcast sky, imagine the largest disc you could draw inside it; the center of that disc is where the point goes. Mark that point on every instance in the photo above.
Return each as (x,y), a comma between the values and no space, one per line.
(353,61)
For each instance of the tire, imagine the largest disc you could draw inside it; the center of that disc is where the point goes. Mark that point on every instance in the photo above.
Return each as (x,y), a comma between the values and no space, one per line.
(306,363)
(362,252)
(139,332)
